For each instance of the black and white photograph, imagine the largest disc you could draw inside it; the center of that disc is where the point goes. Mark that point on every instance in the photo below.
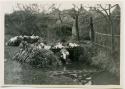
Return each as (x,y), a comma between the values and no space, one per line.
(62,43)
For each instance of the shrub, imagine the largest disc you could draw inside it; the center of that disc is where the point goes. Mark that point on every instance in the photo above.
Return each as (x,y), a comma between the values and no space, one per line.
(37,57)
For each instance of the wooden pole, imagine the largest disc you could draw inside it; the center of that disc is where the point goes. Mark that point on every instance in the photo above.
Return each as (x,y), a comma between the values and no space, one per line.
(92,30)
(77,27)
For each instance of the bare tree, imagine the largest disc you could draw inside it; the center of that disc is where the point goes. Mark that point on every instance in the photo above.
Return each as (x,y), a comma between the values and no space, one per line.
(57,11)
(28,14)
(106,13)
(76,13)
(32,8)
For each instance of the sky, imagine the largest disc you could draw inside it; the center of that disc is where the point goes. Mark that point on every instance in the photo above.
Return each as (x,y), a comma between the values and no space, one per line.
(10,6)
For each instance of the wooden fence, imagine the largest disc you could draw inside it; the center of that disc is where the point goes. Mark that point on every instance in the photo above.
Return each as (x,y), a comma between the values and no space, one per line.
(103,34)
(103,39)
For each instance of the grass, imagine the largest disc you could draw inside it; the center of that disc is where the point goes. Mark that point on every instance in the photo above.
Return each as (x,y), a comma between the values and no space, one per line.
(16,73)
(105,61)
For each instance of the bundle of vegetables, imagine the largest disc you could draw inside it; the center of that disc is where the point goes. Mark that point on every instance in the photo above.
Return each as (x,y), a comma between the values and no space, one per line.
(35,56)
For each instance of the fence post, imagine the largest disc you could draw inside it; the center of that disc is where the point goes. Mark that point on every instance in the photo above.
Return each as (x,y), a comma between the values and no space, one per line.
(112,32)
(92,35)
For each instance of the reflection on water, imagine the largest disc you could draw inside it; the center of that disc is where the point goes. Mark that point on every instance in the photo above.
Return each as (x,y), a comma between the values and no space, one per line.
(76,74)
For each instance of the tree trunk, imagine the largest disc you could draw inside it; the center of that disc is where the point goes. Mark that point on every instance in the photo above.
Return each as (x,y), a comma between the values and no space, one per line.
(77,27)
(112,33)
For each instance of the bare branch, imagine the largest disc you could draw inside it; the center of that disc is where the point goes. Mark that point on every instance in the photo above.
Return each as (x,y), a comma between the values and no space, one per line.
(104,10)
(109,9)
(77,12)
(51,6)
(58,11)
(75,6)
(113,6)
(100,12)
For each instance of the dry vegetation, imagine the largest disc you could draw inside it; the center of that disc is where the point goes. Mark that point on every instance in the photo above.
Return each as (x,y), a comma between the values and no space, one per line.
(58,25)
